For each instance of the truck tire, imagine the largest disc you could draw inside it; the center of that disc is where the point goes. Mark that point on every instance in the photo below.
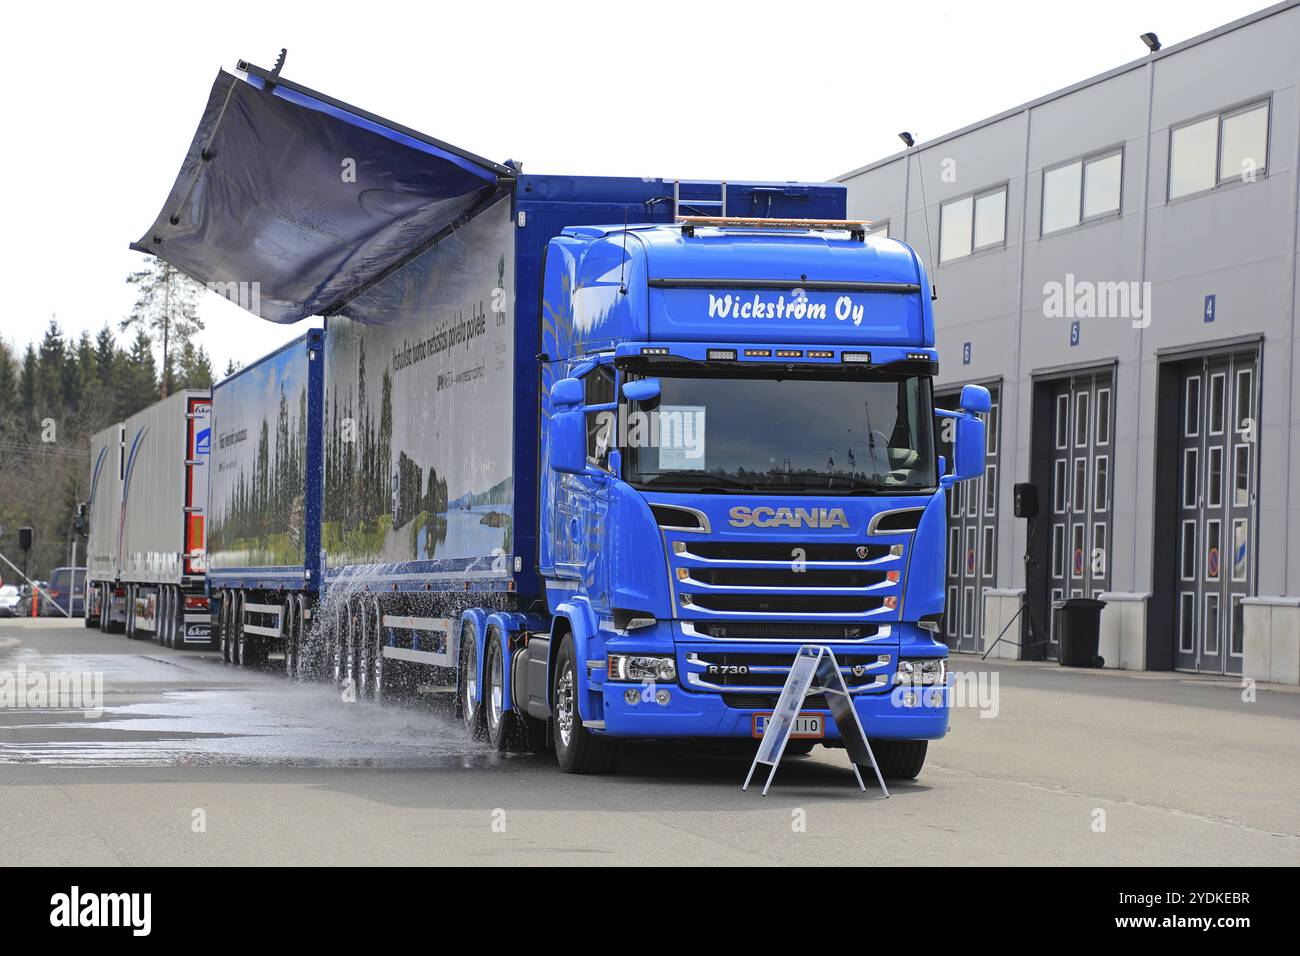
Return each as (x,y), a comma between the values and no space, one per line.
(577,749)
(162,615)
(129,627)
(227,623)
(899,759)
(502,725)
(89,620)
(336,669)
(380,675)
(470,710)
(289,636)
(167,638)
(239,642)
(364,648)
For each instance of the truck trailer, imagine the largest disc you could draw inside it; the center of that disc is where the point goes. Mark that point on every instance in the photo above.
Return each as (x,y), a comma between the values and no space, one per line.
(598,454)
(149,491)
(264,501)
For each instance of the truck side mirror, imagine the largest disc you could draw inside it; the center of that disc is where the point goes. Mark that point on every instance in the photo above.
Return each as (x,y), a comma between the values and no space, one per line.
(567,393)
(967,447)
(975,399)
(567,431)
(641,390)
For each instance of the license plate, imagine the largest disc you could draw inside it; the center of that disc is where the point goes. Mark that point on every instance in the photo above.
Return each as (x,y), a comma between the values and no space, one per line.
(806,726)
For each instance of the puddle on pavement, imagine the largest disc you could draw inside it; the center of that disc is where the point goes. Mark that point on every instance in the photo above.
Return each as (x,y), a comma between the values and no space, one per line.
(162,712)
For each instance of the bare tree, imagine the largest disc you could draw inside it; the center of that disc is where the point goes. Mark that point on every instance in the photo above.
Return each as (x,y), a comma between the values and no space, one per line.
(167,310)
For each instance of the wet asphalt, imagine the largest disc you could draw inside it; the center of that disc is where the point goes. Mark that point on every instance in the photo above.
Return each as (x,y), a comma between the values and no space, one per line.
(193,761)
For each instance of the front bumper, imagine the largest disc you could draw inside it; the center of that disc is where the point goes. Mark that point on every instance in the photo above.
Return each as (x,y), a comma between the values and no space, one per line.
(888,715)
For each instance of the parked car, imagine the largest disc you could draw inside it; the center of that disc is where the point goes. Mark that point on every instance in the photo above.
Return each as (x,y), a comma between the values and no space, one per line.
(67,589)
(9,598)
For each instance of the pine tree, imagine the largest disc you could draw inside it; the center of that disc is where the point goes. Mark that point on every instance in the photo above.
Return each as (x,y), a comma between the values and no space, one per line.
(194,367)
(8,384)
(138,379)
(107,355)
(27,385)
(50,370)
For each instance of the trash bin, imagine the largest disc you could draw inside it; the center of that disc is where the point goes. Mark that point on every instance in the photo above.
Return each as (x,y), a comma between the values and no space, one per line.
(1079,620)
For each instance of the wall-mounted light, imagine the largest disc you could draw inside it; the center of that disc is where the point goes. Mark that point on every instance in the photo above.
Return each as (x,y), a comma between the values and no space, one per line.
(1151,40)
(906,137)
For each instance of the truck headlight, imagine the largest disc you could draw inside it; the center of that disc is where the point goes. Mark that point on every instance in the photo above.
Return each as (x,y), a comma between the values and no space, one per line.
(923,671)
(640,667)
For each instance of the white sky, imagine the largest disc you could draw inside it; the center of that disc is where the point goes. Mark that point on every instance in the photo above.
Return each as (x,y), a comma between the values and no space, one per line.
(104,98)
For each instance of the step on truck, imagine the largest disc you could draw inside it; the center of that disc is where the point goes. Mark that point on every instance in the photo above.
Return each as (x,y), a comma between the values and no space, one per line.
(148,494)
(598,454)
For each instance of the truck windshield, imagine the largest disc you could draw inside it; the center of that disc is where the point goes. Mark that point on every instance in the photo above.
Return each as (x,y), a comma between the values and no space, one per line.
(804,433)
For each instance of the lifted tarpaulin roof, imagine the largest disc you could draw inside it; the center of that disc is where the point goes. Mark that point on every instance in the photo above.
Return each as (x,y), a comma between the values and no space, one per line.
(266,198)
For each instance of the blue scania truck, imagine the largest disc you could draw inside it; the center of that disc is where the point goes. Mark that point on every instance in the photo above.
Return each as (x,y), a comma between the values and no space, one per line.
(596,454)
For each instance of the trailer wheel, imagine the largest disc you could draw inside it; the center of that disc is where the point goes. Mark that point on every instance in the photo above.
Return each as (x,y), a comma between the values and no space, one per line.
(501,724)
(336,643)
(289,636)
(377,649)
(577,749)
(86,605)
(899,759)
(471,710)
(129,627)
(239,646)
(162,615)
(363,648)
(176,606)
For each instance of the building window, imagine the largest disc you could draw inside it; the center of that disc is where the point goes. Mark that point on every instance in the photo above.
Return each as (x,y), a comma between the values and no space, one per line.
(1228,147)
(878,230)
(972,223)
(1087,188)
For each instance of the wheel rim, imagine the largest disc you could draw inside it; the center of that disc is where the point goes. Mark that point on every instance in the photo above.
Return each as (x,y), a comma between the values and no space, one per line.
(496,704)
(564,705)
(240,639)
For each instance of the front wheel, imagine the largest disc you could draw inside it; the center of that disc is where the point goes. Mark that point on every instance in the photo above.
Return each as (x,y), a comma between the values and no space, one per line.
(899,759)
(577,749)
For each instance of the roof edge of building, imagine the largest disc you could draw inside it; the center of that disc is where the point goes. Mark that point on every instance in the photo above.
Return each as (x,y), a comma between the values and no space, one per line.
(1075,87)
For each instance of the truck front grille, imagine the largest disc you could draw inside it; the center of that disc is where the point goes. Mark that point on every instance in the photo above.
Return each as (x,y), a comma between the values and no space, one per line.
(785,603)
(796,580)
(785,552)
(780,631)
(785,578)
(764,671)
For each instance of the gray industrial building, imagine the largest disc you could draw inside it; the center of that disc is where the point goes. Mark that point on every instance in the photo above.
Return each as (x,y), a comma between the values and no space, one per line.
(1116,262)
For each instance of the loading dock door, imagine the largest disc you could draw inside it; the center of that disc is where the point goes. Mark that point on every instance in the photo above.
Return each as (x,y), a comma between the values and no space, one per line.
(1216,499)
(1081,484)
(972,534)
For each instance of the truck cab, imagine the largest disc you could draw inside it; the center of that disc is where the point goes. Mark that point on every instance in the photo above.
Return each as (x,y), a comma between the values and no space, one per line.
(739,446)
